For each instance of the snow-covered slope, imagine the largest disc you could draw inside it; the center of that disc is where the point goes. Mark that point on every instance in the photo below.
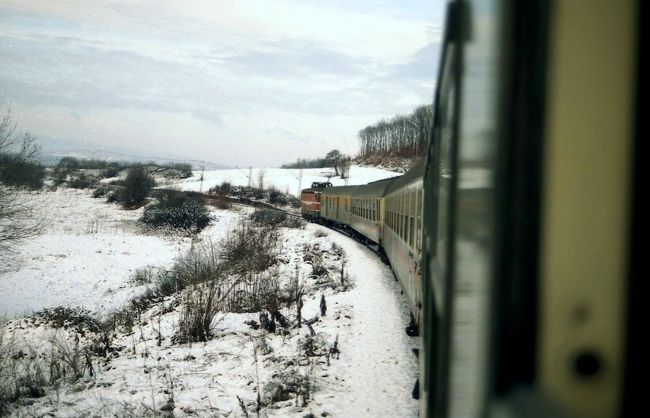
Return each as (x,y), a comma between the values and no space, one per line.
(87,258)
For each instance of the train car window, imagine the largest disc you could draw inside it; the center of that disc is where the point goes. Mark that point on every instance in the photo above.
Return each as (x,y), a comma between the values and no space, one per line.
(398,219)
(399,215)
(405,217)
(419,221)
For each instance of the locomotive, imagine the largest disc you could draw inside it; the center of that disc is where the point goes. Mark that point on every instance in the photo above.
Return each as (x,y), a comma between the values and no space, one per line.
(515,238)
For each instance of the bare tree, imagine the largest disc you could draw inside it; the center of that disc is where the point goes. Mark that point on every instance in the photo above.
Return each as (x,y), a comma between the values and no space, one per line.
(17,164)
(401,136)
(334,159)
(19,146)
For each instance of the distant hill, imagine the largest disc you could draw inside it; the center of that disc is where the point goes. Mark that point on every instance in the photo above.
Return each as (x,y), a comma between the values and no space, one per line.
(52,150)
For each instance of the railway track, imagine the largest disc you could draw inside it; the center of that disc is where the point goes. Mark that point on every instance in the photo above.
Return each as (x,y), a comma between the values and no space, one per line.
(214,200)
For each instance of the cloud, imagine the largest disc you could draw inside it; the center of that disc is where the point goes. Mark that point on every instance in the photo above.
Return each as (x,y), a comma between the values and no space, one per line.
(268,82)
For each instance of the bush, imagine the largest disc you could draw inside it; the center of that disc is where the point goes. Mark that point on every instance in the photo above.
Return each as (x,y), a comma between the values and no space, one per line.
(268,217)
(137,185)
(274,218)
(112,170)
(113,196)
(224,188)
(250,249)
(19,166)
(103,190)
(198,310)
(177,210)
(79,319)
(82,181)
(15,171)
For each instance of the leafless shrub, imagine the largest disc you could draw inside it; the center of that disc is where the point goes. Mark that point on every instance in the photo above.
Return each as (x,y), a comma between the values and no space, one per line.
(18,222)
(199,308)
(249,249)
(313,345)
(275,218)
(143,276)
(287,384)
(26,372)
(80,320)
(21,374)
(74,359)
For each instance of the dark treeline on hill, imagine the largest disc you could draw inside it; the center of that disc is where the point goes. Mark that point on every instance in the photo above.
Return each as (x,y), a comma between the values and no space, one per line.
(401,136)
(307,163)
(334,159)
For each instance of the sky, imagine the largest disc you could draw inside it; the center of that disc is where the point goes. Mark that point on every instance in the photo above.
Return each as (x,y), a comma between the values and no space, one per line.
(240,83)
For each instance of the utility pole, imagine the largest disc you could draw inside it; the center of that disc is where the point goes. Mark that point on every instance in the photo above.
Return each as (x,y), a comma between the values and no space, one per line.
(201,179)
(299,178)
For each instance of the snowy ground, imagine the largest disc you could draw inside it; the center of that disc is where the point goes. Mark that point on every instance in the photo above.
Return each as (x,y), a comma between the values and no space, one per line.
(285,180)
(87,259)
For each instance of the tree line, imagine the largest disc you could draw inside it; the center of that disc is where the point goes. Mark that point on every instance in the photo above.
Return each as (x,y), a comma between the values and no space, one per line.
(334,159)
(401,136)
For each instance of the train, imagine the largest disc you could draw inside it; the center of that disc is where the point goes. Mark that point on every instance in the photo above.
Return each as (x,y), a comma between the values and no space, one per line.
(515,238)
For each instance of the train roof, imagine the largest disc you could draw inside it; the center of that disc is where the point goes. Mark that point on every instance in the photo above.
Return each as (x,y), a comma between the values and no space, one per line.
(338,190)
(414,174)
(374,189)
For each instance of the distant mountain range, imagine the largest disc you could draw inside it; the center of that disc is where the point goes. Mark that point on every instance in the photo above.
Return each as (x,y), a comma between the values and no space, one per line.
(53,149)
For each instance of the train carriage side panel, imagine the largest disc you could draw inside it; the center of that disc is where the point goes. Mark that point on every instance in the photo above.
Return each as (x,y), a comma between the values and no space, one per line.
(365,215)
(402,233)
(335,208)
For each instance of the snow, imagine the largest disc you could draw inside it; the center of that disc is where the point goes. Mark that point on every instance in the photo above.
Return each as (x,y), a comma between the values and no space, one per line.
(382,363)
(285,180)
(87,257)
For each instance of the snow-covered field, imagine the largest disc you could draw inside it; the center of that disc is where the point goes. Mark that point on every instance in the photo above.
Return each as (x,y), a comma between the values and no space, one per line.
(87,258)
(285,180)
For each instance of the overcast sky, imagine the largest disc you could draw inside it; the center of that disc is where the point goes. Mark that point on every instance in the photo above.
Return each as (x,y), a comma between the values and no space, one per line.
(256,82)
